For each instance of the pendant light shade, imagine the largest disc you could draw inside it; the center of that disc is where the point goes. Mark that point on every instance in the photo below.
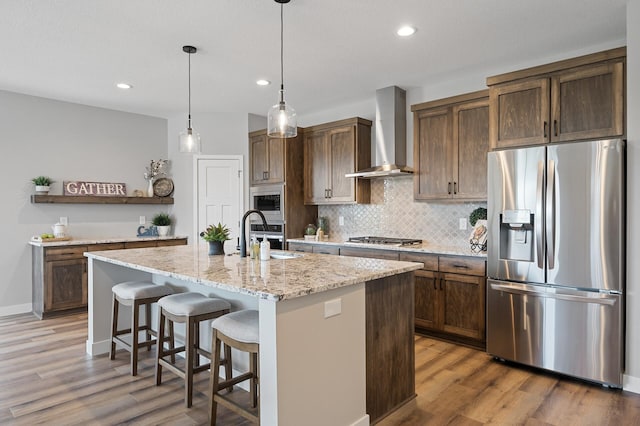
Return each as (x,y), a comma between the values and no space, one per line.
(281,119)
(189,139)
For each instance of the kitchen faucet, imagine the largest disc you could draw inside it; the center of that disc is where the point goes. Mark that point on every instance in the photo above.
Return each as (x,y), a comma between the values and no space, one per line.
(243,240)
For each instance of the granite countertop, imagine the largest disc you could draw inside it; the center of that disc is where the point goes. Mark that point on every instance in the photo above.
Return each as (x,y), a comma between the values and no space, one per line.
(100,240)
(275,279)
(425,247)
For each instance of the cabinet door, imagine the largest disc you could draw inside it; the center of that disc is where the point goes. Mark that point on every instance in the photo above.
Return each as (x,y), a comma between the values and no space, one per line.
(302,247)
(462,307)
(342,154)
(315,167)
(471,132)
(65,284)
(259,159)
(275,160)
(588,103)
(426,300)
(432,154)
(519,113)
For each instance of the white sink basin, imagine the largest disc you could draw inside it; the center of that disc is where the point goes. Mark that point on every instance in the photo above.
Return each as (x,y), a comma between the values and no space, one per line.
(284,255)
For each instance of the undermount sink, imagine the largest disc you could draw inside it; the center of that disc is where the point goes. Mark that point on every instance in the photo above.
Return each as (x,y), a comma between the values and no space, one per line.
(284,255)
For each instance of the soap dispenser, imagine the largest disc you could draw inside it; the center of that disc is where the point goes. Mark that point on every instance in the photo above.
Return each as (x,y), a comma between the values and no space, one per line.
(265,250)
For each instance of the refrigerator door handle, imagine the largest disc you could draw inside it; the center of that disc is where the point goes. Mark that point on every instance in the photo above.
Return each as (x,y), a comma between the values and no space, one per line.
(597,298)
(551,214)
(539,224)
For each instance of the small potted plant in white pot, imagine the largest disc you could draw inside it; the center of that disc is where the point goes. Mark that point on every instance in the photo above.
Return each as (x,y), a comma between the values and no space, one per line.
(216,235)
(162,222)
(43,184)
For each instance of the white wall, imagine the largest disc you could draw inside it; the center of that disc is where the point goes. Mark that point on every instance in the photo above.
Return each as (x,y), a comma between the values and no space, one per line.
(220,134)
(66,142)
(632,381)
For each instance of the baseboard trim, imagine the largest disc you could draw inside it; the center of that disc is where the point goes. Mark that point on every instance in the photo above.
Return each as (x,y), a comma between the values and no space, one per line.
(363,421)
(98,348)
(631,384)
(24,308)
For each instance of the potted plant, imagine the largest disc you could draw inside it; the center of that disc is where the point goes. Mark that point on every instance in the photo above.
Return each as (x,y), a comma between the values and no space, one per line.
(43,184)
(310,232)
(478,239)
(162,222)
(216,235)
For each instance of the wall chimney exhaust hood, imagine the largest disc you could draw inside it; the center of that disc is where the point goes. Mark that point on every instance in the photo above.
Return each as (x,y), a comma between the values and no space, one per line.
(391,135)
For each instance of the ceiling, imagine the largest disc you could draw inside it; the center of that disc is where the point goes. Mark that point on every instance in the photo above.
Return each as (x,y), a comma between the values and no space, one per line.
(336,51)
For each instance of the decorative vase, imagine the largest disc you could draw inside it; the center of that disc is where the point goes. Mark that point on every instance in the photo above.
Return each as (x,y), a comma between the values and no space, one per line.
(216,247)
(163,231)
(150,188)
(42,189)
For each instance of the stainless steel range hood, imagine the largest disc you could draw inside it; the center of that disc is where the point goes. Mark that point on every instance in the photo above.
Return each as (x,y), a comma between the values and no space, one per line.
(391,135)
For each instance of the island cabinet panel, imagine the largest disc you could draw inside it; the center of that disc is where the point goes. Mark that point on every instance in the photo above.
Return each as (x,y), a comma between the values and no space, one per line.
(332,150)
(390,359)
(451,141)
(59,274)
(575,99)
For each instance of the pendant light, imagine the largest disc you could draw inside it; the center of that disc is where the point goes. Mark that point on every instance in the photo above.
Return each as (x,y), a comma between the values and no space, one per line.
(281,119)
(189,140)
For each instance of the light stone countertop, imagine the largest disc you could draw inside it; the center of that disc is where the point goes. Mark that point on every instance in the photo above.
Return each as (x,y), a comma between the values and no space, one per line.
(425,247)
(101,240)
(276,279)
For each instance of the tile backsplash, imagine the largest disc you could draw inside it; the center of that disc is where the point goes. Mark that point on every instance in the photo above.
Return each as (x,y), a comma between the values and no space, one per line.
(394,213)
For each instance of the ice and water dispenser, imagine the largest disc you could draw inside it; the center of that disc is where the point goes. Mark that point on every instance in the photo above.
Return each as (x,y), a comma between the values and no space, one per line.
(517,235)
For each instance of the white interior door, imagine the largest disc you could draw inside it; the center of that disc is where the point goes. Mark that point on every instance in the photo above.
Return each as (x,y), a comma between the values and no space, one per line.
(219,195)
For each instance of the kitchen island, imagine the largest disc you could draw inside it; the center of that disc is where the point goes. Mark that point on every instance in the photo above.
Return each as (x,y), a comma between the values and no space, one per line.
(336,333)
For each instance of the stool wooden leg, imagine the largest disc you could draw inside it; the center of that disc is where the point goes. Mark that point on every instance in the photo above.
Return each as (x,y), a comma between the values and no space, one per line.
(160,345)
(253,364)
(135,336)
(215,377)
(228,372)
(196,344)
(172,342)
(114,327)
(189,352)
(147,321)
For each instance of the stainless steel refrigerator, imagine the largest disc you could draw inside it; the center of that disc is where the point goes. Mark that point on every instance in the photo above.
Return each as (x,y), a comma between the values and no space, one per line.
(556,258)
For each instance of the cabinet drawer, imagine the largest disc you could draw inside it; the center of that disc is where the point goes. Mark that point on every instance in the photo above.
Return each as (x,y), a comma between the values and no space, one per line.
(305,248)
(430,260)
(178,242)
(64,253)
(139,244)
(322,249)
(462,265)
(370,253)
(105,246)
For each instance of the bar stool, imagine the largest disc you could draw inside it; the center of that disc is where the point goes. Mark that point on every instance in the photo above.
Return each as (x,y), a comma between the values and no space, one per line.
(134,294)
(190,309)
(239,330)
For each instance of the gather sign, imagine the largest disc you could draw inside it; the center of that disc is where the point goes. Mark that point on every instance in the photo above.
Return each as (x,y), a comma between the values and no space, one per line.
(98,189)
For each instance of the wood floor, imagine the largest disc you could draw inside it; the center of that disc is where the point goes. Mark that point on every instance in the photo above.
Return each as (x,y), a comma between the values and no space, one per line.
(46,377)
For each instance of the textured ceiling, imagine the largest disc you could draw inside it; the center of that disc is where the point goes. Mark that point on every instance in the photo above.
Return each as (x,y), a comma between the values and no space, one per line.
(336,51)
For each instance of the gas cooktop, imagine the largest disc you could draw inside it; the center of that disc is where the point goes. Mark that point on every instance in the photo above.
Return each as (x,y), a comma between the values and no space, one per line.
(389,241)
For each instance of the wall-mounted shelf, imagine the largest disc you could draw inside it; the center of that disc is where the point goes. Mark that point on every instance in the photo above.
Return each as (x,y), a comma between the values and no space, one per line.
(65,199)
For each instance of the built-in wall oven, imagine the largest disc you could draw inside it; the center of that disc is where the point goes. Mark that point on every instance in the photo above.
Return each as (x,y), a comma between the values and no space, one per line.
(269,199)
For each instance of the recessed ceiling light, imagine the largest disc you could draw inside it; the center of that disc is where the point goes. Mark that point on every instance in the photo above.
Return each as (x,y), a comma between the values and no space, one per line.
(123,86)
(263,82)
(406,31)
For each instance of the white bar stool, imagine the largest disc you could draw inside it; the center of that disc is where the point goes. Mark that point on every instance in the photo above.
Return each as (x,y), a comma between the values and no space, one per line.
(134,294)
(239,330)
(188,308)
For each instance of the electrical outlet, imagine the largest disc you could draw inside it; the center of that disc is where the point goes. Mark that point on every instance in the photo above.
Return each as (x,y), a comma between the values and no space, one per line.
(341,220)
(462,225)
(64,220)
(143,220)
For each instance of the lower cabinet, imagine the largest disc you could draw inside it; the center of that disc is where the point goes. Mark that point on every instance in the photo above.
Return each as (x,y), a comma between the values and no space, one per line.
(450,297)
(314,248)
(59,275)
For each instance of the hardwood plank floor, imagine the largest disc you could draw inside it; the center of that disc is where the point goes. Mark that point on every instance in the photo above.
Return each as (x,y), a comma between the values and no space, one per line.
(46,377)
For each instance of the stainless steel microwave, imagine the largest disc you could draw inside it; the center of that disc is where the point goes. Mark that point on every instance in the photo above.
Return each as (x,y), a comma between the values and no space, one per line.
(269,199)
